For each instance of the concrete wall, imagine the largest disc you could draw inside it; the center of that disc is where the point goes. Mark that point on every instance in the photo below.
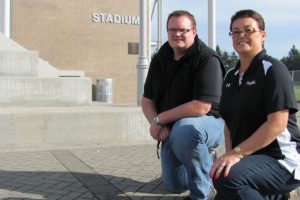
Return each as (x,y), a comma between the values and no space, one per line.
(72,127)
(64,35)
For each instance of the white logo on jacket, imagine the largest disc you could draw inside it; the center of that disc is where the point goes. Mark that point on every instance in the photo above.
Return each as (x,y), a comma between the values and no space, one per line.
(251,82)
(227,85)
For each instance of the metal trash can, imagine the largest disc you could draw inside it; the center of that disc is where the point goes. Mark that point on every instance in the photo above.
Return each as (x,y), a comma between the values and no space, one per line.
(104,90)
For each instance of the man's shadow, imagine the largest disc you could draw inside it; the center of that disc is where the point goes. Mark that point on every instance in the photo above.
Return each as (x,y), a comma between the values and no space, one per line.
(33,185)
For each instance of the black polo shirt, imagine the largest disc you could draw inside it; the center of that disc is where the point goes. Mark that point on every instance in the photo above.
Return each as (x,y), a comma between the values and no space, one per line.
(265,87)
(196,76)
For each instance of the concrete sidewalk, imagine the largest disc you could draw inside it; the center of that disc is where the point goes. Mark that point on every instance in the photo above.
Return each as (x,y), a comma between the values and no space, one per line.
(105,173)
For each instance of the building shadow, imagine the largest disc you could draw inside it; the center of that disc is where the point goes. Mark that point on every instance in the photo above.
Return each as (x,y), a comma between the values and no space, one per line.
(33,185)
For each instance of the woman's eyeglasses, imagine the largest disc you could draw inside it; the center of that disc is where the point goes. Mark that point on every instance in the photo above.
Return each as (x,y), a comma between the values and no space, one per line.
(247,31)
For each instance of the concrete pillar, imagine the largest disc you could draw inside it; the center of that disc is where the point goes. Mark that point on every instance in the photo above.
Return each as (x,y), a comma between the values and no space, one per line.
(159,24)
(5,17)
(143,61)
(212,24)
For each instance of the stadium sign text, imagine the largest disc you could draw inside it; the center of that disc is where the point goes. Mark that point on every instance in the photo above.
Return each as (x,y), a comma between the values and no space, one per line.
(115,19)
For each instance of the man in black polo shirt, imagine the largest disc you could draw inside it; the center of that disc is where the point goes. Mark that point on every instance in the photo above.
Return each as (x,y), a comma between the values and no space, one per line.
(180,101)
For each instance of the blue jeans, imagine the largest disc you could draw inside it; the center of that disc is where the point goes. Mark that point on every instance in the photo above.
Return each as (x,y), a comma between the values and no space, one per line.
(258,177)
(185,157)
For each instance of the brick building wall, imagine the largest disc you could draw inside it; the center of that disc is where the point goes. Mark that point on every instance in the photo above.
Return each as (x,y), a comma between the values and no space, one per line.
(91,35)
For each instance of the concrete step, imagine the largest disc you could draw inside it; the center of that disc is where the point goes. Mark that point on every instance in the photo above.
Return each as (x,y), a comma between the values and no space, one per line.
(19,63)
(45,69)
(30,91)
(71,127)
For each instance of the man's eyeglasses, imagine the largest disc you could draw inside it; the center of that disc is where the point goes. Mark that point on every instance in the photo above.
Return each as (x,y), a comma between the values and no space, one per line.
(247,31)
(179,30)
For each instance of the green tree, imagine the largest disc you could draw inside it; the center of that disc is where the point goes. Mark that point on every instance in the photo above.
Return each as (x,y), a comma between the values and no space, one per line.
(229,59)
(292,61)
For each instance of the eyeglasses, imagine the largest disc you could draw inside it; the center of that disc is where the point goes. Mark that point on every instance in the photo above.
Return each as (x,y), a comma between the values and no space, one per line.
(179,30)
(247,31)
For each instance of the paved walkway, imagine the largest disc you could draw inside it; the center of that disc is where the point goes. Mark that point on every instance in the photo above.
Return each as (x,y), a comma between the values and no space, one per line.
(105,173)
(114,172)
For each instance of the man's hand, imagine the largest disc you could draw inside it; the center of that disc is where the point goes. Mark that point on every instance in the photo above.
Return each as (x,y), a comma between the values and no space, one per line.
(154,131)
(159,132)
(164,133)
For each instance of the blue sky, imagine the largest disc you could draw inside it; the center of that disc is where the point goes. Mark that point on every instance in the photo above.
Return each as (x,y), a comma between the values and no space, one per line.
(282,18)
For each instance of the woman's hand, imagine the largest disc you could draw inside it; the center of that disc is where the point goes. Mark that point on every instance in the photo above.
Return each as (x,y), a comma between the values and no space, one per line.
(225,162)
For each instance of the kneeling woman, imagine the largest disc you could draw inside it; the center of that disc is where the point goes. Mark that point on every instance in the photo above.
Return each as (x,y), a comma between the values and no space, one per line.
(262,139)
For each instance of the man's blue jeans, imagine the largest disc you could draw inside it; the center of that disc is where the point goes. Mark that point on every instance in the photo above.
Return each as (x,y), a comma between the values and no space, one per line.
(185,157)
(258,177)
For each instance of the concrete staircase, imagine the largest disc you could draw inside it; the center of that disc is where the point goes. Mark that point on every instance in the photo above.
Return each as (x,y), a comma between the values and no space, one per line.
(42,107)
(27,80)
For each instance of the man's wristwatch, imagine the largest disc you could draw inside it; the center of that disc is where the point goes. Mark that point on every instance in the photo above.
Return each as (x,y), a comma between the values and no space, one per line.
(156,121)
(238,150)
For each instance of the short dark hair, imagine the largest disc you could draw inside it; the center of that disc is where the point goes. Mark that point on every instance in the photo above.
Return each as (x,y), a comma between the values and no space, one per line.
(251,14)
(178,13)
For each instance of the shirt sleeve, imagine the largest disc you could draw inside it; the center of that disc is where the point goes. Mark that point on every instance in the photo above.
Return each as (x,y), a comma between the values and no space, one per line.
(208,81)
(148,86)
(279,90)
